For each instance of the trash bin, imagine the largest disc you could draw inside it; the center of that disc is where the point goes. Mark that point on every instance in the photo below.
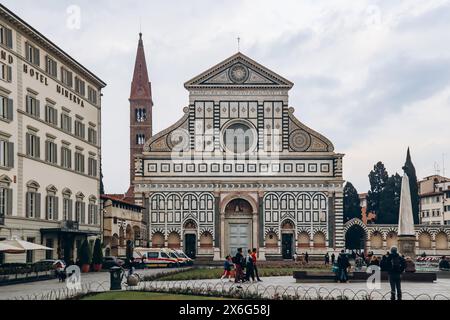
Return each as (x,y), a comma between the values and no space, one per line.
(116,274)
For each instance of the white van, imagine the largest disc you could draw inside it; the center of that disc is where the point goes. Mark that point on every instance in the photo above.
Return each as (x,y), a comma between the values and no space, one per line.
(155,258)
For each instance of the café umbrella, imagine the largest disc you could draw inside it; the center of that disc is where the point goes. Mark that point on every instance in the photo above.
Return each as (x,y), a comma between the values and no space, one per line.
(19,246)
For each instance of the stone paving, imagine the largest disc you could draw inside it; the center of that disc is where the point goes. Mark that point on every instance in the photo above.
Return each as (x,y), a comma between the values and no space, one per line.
(100,282)
(41,287)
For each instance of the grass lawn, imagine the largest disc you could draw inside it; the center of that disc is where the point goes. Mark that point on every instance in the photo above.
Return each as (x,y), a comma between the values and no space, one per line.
(136,295)
(216,273)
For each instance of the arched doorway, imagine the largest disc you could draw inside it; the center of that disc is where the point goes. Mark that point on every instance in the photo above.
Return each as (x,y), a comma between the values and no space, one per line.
(158,240)
(425,241)
(391,240)
(355,238)
(174,241)
(376,240)
(287,239)
(441,241)
(238,225)
(190,238)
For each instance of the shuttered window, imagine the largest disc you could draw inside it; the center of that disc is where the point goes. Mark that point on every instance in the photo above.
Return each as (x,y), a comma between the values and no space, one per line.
(92,167)
(92,136)
(33,144)
(6,36)
(67,209)
(80,212)
(51,205)
(80,129)
(32,54)
(6,203)
(92,95)
(6,154)
(80,86)
(5,72)
(79,162)
(6,108)
(33,204)
(66,158)
(51,67)
(66,123)
(51,115)
(51,152)
(66,77)
(33,106)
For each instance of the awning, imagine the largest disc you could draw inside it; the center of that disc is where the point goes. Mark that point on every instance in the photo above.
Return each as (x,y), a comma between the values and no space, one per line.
(70,232)
(21,246)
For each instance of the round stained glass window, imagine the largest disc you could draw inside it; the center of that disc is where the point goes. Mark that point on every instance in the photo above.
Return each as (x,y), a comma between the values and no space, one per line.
(239,138)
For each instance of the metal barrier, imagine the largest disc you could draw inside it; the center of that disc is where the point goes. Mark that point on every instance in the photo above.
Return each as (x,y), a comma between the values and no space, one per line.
(255,291)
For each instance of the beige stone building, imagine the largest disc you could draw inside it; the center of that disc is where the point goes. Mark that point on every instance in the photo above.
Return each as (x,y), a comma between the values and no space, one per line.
(122,222)
(434,193)
(50,125)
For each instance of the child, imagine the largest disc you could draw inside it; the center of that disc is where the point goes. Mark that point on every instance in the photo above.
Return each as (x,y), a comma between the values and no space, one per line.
(227,268)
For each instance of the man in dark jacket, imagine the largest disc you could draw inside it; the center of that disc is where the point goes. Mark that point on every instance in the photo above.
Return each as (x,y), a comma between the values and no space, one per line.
(395,265)
(239,263)
(343,265)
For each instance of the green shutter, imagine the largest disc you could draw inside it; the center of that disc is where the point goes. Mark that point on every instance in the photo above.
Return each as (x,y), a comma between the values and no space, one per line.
(9,201)
(9,39)
(10,112)
(56,215)
(28,204)
(10,154)
(38,147)
(46,207)
(37,57)
(9,73)
(38,205)
(38,108)
(70,210)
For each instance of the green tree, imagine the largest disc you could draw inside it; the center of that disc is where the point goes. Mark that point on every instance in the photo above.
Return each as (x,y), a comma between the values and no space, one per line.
(390,201)
(352,205)
(85,253)
(377,178)
(97,256)
(409,169)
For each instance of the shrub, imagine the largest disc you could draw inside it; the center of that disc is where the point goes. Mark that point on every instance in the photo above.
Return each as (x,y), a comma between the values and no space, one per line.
(85,253)
(97,256)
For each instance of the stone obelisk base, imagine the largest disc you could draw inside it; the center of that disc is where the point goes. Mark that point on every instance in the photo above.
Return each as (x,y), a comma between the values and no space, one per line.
(407,246)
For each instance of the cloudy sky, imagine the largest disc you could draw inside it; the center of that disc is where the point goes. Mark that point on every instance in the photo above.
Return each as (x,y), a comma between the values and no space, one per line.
(373,76)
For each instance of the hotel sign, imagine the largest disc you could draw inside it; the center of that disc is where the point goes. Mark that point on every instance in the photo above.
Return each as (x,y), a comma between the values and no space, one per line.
(35,74)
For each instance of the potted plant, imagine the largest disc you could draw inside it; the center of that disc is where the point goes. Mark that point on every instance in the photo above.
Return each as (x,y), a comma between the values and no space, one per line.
(85,257)
(97,256)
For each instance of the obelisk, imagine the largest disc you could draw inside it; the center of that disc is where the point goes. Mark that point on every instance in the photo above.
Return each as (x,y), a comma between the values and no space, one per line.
(406,232)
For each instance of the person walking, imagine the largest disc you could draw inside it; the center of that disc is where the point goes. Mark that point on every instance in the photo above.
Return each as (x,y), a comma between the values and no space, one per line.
(343,265)
(306,257)
(227,268)
(255,265)
(239,266)
(333,258)
(327,259)
(396,266)
(249,267)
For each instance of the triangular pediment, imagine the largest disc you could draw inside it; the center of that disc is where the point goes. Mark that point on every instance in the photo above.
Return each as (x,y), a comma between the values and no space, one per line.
(239,71)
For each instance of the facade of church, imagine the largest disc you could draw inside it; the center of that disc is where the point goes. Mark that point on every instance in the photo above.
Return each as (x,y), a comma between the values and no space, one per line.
(237,170)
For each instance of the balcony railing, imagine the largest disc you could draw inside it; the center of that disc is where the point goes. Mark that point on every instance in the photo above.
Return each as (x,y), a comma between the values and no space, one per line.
(70,225)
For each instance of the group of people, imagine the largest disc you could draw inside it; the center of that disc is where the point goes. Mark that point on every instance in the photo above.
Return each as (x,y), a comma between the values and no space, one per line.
(244,267)
(391,262)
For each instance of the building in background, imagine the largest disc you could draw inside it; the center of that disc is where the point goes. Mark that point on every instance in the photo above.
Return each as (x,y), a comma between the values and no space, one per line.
(122,222)
(434,194)
(50,151)
(366,217)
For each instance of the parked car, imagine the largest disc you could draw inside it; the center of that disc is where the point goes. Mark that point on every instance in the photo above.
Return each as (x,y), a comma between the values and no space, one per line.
(156,257)
(109,262)
(186,260)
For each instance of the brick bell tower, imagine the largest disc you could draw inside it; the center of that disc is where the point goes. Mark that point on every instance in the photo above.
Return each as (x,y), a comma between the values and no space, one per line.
(141,104)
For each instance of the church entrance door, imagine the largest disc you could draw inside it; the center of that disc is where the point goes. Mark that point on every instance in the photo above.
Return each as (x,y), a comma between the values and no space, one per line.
(190,245)
(287,245)
(239,237)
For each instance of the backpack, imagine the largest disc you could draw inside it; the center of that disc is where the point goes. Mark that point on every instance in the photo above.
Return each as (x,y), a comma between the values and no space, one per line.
(396,264)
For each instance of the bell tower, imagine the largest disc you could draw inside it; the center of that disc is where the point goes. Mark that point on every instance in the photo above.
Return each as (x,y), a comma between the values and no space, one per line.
(141,104)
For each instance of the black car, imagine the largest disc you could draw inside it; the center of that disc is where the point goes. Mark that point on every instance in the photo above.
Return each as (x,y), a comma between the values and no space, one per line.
(109,262)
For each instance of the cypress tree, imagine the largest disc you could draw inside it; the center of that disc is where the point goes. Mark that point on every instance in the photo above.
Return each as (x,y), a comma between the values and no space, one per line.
(390,201)
(377,178)
(409,169)
(352,205)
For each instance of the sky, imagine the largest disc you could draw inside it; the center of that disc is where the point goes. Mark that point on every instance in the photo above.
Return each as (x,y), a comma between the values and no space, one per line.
(372,76)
